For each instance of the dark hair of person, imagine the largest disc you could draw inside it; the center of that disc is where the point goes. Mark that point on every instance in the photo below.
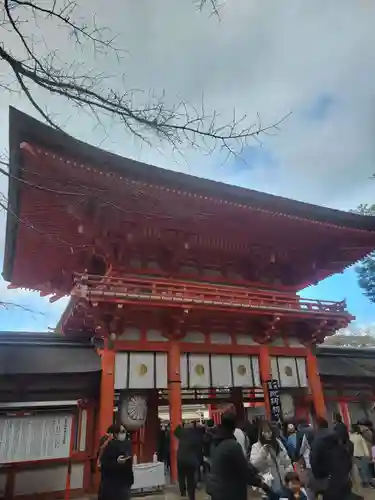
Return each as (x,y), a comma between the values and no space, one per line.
(110,429)
(265,426)
(228,421)
(292,476)
(321,423)
(337,417)
(355,429)
(302,422)
(116,429)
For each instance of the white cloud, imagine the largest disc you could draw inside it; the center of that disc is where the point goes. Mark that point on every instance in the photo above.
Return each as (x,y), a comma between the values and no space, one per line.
(267,57)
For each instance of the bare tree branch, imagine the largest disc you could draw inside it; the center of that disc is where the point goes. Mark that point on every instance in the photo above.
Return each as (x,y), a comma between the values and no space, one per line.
(180,124)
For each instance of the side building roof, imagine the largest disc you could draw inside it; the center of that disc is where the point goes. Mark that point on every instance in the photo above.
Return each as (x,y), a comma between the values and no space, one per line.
(348,362)
(45,353)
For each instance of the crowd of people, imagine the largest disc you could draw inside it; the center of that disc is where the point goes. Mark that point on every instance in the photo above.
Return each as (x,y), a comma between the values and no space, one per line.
(293,460)
(289,461)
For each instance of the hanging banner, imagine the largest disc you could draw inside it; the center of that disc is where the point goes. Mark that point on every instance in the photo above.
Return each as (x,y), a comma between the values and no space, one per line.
(274,397)
(32,438)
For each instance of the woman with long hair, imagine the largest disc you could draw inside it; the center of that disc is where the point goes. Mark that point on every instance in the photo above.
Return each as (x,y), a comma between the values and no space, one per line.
(270,457)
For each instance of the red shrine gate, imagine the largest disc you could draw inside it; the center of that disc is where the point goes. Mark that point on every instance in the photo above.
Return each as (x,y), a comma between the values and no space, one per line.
(187,284)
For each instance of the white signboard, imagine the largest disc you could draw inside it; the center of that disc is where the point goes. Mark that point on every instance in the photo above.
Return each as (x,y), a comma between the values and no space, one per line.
(31,438)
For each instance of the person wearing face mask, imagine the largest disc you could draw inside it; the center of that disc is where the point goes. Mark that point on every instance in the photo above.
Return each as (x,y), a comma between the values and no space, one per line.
(270,457)
(117,467)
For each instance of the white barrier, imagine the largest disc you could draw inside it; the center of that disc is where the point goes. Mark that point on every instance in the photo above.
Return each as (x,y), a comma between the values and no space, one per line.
(149,476)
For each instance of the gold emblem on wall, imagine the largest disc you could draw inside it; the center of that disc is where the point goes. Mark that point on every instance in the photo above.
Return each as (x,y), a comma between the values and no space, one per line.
(241,370)
(142,369)
(288,371)
(199,370)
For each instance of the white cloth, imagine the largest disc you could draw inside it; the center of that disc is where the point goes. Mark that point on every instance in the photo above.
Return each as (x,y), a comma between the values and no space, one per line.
(276,465)
(241,439)
(360,445)
(305,451)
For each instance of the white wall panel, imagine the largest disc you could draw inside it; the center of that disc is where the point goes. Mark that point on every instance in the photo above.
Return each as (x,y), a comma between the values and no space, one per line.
(194,336)
(41,480)
(244,339)
(256,371)
(220,338)
(184,371)
(242,371)
(301,368)
(274,369)
(76,478)
(83,431)
(161,370)
(221,371)
(141,370)
(199,370)
(130,333)
(121,370)
(155,336)
(288,372)
(287,406)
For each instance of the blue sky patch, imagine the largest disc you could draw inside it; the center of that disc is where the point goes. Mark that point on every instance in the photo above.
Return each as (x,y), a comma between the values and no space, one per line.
(254,157)
(320,108)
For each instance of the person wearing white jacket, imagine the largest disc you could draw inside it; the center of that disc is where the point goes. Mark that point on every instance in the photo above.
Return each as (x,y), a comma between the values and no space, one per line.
(270,457)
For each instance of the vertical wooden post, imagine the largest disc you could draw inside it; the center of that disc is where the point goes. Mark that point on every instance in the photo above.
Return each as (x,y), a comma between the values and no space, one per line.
(265,375)
(175,407)
(212,407)
(315,384)
(237,400)
(151,427)
(107,389)
(343,406)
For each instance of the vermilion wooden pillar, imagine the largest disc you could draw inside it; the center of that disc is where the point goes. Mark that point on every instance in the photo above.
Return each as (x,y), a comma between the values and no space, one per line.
(315,384)
(344,410)
(265,375)
(237,400)
(151,427)
(175,407)
(211,407)
(107,390)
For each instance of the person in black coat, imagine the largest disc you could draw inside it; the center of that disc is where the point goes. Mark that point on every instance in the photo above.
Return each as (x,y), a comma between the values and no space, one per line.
(331,462)
(116,467)
(230,471)
(188,458)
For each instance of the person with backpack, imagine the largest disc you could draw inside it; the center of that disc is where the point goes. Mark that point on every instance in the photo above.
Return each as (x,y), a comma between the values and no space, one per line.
(304,440)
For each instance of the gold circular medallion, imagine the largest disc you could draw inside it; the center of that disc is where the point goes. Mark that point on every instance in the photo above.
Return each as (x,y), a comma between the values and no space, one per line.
(142,370)
(241,370)
(199,370)
(288,371)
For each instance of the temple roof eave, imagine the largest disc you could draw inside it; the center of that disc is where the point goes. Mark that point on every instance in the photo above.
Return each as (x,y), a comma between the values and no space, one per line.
(25,128)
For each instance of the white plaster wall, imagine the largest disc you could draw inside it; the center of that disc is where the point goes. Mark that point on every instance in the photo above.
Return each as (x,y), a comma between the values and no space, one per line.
(46,479)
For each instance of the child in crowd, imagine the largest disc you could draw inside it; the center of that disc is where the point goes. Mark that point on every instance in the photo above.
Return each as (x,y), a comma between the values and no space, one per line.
(293,488)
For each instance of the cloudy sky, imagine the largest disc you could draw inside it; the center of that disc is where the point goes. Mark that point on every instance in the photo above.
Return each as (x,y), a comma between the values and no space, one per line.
(314,59)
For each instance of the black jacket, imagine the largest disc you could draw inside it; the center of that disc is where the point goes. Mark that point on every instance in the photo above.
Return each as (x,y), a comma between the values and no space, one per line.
(230,472)
(331,457)
(189,446)
(115,476)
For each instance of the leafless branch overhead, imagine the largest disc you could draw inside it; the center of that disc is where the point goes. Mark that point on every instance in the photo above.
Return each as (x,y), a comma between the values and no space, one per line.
(180,124)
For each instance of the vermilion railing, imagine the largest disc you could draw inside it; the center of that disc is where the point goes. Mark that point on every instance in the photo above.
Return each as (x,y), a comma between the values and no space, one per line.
(156,291)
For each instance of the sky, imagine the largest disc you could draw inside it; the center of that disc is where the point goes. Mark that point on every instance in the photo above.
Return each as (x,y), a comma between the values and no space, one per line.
(314,60)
